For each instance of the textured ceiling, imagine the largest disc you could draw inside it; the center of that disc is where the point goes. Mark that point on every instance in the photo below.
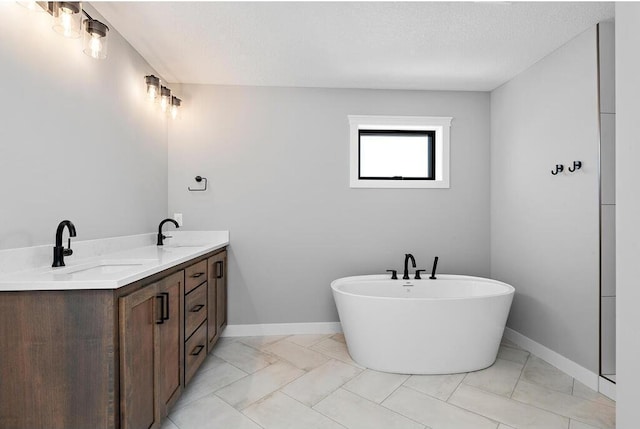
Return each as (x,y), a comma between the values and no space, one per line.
(394,45)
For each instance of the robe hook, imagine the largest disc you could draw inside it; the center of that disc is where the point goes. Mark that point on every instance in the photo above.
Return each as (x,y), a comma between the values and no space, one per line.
(577,165)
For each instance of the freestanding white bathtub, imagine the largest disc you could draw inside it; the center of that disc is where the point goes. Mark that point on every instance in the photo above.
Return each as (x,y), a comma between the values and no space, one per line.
(443,326)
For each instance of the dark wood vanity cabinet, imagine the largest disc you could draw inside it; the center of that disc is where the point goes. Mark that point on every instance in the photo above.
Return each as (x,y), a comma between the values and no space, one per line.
(107,359)
(138,343)
(171,336)
(195,335)
(217,297)
(150,351)
(205,309)
(58,360)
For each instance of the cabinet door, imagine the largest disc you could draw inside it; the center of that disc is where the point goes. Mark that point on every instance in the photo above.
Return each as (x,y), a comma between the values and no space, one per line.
(212,321)
(139,315)
(221,290)
(171,339)
(217,297)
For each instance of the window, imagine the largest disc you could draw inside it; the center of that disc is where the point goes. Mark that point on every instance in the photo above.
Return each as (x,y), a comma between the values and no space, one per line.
(399,151)
(396,155)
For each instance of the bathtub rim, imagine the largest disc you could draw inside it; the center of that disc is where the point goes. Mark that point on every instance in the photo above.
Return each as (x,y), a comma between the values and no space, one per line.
(381,277)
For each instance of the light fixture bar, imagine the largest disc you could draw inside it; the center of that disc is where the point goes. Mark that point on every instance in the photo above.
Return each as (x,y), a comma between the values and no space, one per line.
(169,104)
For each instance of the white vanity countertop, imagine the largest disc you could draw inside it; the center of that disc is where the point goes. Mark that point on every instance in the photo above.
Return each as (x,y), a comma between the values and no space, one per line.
(117,269)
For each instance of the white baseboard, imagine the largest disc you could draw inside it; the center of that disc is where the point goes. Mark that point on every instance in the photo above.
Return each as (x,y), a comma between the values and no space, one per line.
(282,329)
(607,388)
(568,366)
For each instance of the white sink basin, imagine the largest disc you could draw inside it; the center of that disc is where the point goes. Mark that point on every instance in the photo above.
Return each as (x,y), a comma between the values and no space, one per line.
(105,267)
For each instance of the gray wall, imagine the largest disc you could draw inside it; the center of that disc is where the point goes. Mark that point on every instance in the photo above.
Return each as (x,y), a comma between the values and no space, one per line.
(77,139)
(278,164)
(627,213)
(544,228)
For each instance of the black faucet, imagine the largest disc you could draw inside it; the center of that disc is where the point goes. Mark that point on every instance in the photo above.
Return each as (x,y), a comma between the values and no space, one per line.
(433,269)
(59,252)
(161,237)
(408,256)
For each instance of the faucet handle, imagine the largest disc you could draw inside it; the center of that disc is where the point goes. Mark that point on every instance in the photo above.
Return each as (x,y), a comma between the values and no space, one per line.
(394,274)
(417,277)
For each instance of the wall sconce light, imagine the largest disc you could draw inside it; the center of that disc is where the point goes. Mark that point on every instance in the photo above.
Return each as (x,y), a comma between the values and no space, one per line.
(175,105)
(165,98)
(95,41)
(169,104)
(67,18)
(153,87)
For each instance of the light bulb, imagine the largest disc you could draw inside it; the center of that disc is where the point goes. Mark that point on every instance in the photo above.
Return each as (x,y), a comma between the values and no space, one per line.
(65,21)
(165,98)
(67,18)
(95,39)
(175,105)
(153,85)
(95,46)
(152,92)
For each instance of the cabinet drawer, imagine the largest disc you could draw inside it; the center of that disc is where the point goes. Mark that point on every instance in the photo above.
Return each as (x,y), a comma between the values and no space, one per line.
(195,350)
(195,275)
(195,309)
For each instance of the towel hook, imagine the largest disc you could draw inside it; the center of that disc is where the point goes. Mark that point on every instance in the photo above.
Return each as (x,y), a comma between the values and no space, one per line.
(199,179)
(559,169)
(577,165)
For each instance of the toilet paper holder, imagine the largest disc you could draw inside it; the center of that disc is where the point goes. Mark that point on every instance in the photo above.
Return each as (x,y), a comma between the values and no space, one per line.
(199,179)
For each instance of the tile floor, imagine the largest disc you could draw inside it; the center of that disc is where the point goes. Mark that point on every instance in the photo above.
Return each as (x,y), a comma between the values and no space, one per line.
(310,382)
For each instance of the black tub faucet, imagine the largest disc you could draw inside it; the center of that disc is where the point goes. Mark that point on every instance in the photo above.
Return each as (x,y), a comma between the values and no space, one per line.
(59,252)
(161,236)
(407,257)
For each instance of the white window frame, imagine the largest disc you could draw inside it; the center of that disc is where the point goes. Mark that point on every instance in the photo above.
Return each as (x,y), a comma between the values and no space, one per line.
(440,124)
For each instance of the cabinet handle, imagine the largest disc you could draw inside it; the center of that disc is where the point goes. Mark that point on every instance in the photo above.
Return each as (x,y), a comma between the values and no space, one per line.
(166,305)
(219,269)
(196,351)
(196,308)
(161,320)
(196,275)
